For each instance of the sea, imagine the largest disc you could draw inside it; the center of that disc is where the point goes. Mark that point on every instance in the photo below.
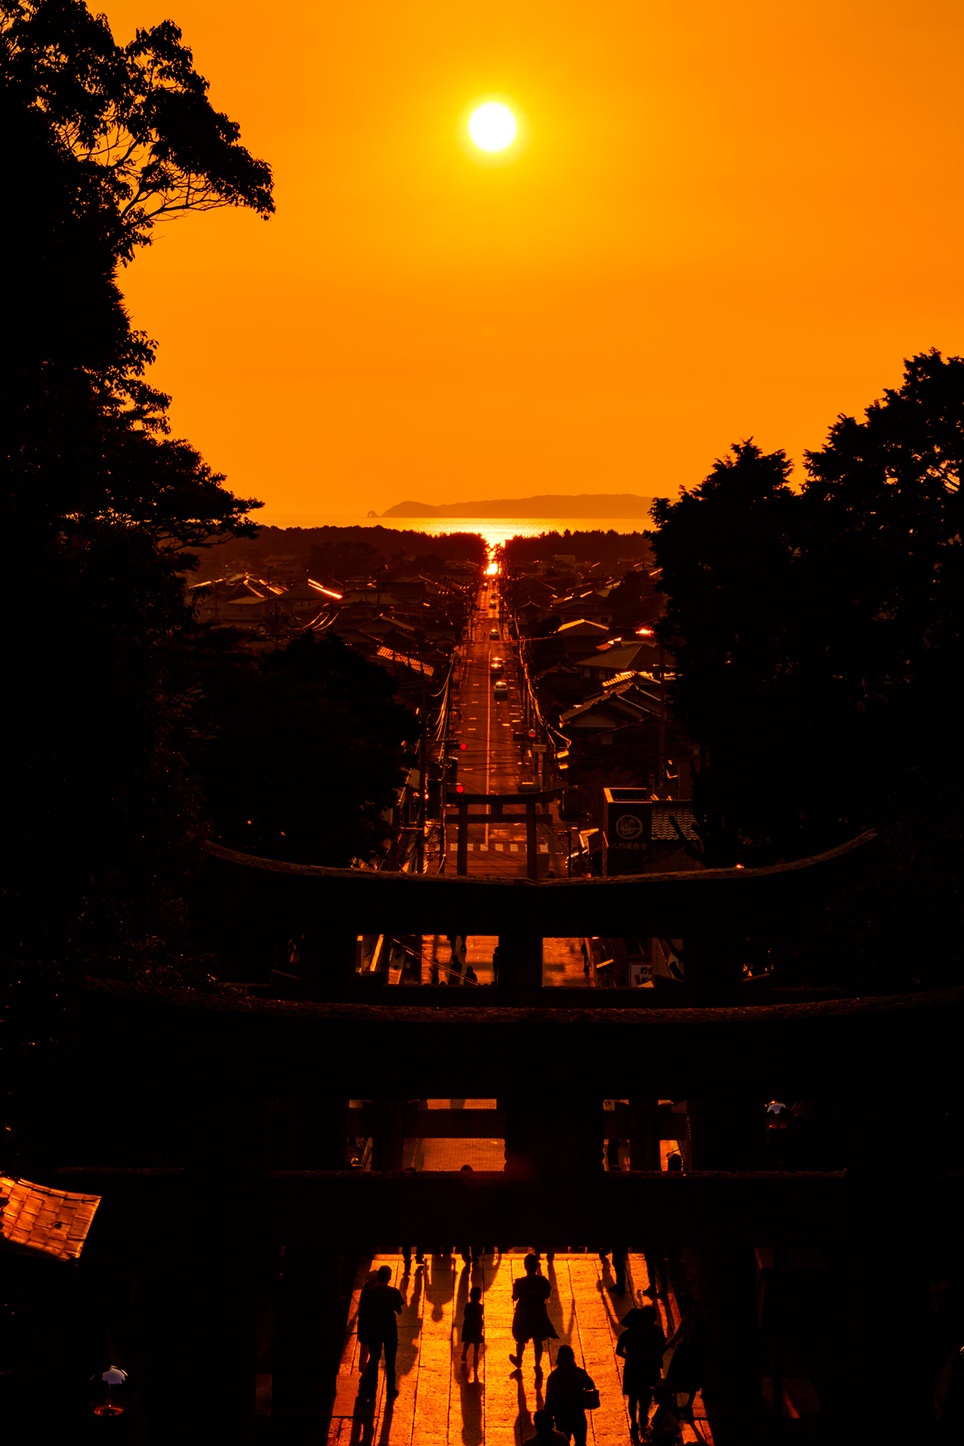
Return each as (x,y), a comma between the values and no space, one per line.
(491,528)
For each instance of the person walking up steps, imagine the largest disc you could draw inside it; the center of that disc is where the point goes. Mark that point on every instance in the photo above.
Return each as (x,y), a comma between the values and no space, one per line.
(473,1326)
(530,1321)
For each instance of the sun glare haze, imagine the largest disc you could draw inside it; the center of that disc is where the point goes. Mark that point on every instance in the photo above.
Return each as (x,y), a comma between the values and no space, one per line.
(492,126)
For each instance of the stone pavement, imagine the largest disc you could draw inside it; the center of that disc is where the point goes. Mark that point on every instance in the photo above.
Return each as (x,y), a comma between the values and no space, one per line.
(443,1403)
(452,1154)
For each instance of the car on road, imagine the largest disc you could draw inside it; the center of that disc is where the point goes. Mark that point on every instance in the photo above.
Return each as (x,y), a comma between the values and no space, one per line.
(496,666)
(501,689)
(494,635)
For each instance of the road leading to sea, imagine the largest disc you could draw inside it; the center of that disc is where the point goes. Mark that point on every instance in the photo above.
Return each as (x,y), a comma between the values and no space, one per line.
(494,758)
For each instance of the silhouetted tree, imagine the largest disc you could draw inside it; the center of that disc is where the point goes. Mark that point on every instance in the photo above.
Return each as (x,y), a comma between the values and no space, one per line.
(605,548)
(817,638)
(883,518)
(883,572)
(635,599)
(138,114)
(727,551)
(102,505)
(300,751)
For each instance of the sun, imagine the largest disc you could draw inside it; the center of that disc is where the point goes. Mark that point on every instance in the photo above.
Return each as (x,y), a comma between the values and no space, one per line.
(492,126)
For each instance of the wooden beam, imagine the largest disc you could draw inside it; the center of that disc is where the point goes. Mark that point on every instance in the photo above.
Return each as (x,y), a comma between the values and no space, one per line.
(297,896)
(448,1124)
(357,1051)
(356,1208)
(533,796)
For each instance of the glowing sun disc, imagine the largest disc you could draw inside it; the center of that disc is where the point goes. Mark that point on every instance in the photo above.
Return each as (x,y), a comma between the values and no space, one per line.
(493,126)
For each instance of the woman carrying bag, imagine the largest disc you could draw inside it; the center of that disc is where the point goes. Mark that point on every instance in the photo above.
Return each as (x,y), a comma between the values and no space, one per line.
(570,1392)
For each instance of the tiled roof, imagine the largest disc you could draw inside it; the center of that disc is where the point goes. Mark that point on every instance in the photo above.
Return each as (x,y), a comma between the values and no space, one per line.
(50,1221)
(566,628)
(415,663)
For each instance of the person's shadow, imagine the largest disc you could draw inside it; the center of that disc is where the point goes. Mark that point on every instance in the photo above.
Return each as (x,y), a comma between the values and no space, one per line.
(523,1421)
(363,1423)
(471,1394)
(564,1332)
(409,1328)
(439,1283)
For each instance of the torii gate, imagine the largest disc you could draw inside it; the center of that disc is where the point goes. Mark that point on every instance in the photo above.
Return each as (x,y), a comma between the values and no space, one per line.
(495,805)
(350,1039)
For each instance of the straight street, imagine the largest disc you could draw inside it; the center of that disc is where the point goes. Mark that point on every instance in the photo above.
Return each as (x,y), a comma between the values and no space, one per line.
(488,735)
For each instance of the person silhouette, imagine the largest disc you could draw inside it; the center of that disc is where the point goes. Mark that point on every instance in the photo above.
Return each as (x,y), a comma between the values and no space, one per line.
(641,1346)
(685,1370)
(566,1396)
(530,1320)
(377,1309)
(473,1325)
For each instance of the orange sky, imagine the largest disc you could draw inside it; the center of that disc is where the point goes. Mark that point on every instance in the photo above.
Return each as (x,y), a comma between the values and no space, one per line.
(726,221)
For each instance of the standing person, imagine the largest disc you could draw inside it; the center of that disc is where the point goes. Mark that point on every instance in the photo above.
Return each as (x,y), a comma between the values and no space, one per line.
(473,1325)
(641,1346)
(685,1373)
(530,1321)
(377,1310)
(370,1280)
(566,1396)
(471,1254)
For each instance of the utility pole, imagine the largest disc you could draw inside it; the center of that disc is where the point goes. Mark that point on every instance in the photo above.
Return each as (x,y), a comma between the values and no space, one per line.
(422,752)
(661,774)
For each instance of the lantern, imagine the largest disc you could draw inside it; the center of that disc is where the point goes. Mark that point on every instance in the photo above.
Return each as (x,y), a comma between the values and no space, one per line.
(110,1392)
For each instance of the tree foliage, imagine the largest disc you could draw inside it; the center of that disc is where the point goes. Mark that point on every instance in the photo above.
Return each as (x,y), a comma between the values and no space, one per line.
(103,505)
(605,548)
(883,515)
(137,116)
(726,551)
(299,751)
(817,638)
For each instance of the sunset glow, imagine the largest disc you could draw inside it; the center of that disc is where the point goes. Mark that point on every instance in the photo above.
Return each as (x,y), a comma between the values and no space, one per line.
(605,305)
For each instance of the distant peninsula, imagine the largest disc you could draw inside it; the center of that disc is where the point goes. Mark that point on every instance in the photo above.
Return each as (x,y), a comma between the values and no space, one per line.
(550,505)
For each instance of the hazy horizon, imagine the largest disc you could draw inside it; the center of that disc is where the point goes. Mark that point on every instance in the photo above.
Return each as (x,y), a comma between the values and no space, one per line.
(493,530)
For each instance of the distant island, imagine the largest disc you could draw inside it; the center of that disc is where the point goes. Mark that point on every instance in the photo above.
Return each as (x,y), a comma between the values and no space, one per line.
(584,504)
